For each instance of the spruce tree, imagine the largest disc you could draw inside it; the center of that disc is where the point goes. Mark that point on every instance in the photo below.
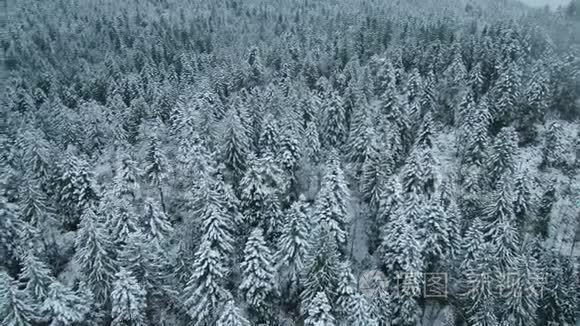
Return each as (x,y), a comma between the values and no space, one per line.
(319,312)
(65,307)
(157,226)
(501,156)
(95,256)
(232,316)
(345,292)
(16,306)
(127,300)
(332,202)
(235,145)
(333,122)
(205,293)
(553,146)
(360,312)
(37,275)
(259,284)
(293,246)
(321,268)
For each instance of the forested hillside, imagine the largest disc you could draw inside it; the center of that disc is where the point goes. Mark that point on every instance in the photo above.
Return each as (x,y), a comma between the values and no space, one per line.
(235,163)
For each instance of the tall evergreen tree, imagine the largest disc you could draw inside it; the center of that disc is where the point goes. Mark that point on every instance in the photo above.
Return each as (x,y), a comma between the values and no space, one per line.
(16,306)
(232,316)
(65,307)
(319,312)
(95,256)
(205,293)
(293,246)
(332,202)
(235,145)
(259,285)
(128,300)
(333,122)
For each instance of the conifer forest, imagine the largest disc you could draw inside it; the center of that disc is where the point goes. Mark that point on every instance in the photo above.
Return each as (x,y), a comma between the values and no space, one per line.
(289,162)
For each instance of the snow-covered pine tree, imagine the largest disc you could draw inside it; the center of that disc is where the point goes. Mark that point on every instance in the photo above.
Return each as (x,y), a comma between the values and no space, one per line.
(269,141)
(501,156)
(205,293)
(34,205)
(293,247)
(16,306)
(139,257)
(321,268)
(390,197)
(232,316)
(506,94)
(65,307)
(559,296)
(520,296)
(401,250)
(333,201)
(259,285)
(374,174)
(217,226)
(127,300)
(478,290)
(95,255)
(476,136)
(435,237)
(157,226)
(345,292)
(333,122)
(552,152)
(360,312)
(37,276)
(76,189)
(260,189)
(319,312)
(156,169)
(311,143)
(122,220)
(235,145)
(126,184)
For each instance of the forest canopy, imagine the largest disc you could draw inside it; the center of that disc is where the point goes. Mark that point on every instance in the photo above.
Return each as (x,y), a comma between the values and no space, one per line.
(188,162)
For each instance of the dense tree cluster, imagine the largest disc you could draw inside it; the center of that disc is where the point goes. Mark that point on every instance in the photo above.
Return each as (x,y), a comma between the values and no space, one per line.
(241,163)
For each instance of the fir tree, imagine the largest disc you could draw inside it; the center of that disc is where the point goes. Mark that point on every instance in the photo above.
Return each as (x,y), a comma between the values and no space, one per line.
(321,268)
(553,146)
(37,275)
(333,201)
(235,145)
(16,306)
(156,167)
(76,189)
(95,256)
(65,307)
(157,227)
(507,97)
(204,293)
(319,312)
(522,294)
(479,290)
(232,316)
(360,312)
(501,156)
(345,292)
(258,286)
(333,123)
(293,245)
(128,300)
